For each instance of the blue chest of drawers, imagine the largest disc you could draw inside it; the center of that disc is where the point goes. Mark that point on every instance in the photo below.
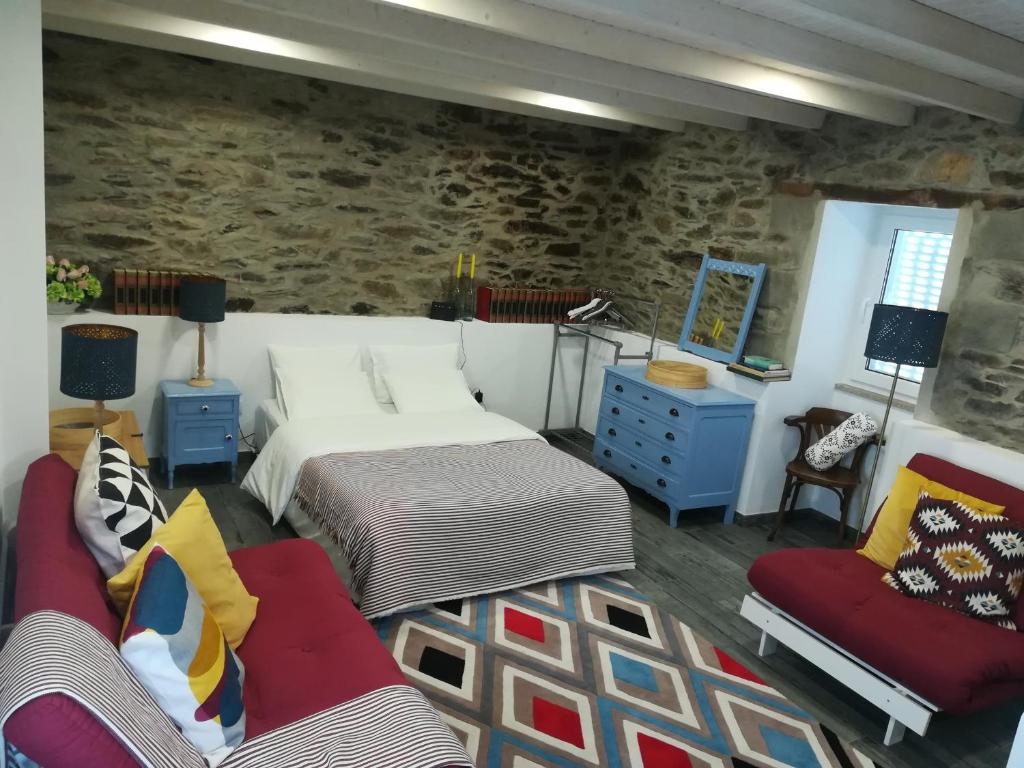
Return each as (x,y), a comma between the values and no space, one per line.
(686,447)
(200,425)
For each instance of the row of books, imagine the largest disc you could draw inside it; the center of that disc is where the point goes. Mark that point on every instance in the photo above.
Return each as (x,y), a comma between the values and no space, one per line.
(147,291)
(527,305)
(763,369)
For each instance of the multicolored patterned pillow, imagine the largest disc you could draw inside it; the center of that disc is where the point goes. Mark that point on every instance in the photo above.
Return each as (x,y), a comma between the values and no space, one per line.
(172,643)
(962,558)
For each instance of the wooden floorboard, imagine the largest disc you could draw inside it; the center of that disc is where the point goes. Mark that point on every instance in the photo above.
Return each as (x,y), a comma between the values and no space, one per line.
(697,572)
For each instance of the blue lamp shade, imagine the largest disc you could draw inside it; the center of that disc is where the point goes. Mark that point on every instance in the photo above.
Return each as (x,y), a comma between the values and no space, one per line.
(906,335)
(97,362)
(202,299)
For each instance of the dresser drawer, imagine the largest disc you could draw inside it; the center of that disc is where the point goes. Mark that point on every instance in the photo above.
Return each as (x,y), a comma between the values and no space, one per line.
(635,470)
(658,452)
(647,400)
(203,441)
(616,412)
(201,407)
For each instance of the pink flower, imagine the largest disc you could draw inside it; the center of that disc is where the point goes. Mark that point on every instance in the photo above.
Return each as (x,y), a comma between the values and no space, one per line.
(50,259)
(62,275)
(82,284)
(84,269)
(65,263)
(74,274)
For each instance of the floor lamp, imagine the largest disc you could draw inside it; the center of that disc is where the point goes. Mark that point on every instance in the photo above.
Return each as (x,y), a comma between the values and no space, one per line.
(905,336)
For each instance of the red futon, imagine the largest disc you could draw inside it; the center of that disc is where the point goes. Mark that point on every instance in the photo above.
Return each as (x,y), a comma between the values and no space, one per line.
(907,656)
(308,650)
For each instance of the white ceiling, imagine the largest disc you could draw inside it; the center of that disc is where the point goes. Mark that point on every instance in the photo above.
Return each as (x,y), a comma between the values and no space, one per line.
(612,63)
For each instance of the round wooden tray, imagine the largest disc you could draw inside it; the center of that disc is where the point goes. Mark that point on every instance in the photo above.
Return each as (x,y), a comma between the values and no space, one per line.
(669,373)
(71,429)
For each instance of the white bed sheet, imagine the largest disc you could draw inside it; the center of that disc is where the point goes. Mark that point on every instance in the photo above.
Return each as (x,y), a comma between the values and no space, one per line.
(269,417)
(273,475)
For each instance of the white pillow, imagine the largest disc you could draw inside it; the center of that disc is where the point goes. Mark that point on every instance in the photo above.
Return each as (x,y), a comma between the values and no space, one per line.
(313,395)
(399,359)
(432,391)
(327,362)
(116,507)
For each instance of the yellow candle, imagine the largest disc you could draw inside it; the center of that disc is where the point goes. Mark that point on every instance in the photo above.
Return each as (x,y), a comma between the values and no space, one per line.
(472,267)
(458,268)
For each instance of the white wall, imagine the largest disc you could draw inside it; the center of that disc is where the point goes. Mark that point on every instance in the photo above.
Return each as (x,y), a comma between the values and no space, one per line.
(508,362)
(23,391)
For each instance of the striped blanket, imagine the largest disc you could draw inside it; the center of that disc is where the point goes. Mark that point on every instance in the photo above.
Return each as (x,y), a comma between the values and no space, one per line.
(422,525)
(53,653)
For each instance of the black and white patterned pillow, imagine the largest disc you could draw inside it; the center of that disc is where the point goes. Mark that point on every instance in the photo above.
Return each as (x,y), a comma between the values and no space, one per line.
(828,451)
(116,508)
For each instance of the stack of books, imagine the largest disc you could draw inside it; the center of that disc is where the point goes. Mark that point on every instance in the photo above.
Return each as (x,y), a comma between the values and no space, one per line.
(147,291)
(527,305)
(761,369)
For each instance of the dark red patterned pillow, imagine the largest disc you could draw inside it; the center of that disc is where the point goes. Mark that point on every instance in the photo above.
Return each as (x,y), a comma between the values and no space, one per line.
(962,558)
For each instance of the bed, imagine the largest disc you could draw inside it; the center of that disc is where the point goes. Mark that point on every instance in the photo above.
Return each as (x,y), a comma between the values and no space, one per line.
(418,508)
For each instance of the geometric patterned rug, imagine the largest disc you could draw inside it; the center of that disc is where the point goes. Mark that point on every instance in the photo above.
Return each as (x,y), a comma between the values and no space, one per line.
(589,672)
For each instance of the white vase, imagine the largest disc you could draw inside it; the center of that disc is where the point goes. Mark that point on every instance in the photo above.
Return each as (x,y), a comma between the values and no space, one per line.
(61,307)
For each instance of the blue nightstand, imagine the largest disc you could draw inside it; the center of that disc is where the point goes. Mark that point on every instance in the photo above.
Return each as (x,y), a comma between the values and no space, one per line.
(200,425)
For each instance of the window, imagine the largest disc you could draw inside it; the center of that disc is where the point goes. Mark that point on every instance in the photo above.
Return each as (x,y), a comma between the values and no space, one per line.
(904,255)
(913,278)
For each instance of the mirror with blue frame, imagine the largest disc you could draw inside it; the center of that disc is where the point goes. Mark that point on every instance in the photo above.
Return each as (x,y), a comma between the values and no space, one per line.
(721,309)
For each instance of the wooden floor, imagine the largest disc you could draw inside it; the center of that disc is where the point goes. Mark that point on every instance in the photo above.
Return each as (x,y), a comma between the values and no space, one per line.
(698,573)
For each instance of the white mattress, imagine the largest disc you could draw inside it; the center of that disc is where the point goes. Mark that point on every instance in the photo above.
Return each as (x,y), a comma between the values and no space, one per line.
(269,417)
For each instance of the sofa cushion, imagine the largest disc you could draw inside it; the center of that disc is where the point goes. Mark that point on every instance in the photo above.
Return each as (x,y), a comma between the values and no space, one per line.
(959,664)
(309,647)
(962,558)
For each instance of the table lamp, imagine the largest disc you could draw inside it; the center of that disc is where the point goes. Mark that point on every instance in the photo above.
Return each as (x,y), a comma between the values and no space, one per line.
(202,301)
(905,336)
(97,362)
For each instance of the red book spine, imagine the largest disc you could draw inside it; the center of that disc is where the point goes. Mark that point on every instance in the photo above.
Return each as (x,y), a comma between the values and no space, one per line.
(166,294)
(175,291)
(131,292)
(483,303)
(142,292)
(119,300)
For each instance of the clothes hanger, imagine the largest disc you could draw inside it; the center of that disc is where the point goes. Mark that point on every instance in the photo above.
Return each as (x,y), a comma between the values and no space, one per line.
(586,307)
(603,309)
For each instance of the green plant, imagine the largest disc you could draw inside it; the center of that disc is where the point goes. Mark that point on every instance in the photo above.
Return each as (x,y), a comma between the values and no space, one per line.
(69,283)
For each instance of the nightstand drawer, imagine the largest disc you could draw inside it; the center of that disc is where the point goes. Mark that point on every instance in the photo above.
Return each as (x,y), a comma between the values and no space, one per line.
(201,407)
(658,452)
(205,441)
(646,399)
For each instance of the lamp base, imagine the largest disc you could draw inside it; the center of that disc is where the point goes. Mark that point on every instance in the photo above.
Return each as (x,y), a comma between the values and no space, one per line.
(200,382)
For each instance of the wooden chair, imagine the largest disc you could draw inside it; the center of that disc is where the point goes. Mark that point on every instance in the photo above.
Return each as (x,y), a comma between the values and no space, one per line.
(841,479)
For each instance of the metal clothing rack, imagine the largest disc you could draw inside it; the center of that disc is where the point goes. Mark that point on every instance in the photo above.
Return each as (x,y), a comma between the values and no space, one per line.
(563,330)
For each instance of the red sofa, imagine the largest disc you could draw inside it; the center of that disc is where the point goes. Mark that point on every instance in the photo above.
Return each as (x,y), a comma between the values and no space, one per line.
(956,663)
(309,648)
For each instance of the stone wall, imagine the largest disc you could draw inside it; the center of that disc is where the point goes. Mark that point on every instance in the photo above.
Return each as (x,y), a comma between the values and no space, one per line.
(307,195)
(315,196)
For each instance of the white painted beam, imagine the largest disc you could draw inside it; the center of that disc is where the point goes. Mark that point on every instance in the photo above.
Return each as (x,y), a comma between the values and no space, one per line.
(445,62)
(393,23)
(731,30)
(542,25)
(114,21)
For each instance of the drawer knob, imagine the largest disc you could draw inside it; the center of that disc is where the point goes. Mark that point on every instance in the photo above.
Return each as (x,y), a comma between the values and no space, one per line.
(633,466)
(615,410)
(228,438)
(670,436)
(612,432)
(642,421)
(661,483)
(673,411)
(607,453)
(618,387)
(666,460)
(645,397)
(204,408)
(638,444)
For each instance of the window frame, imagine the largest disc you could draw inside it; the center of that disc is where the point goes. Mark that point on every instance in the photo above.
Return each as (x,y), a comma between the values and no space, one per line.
(872,285)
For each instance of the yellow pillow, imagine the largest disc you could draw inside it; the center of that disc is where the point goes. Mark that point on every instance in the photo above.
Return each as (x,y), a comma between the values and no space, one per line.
(890,531)
(199,549)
